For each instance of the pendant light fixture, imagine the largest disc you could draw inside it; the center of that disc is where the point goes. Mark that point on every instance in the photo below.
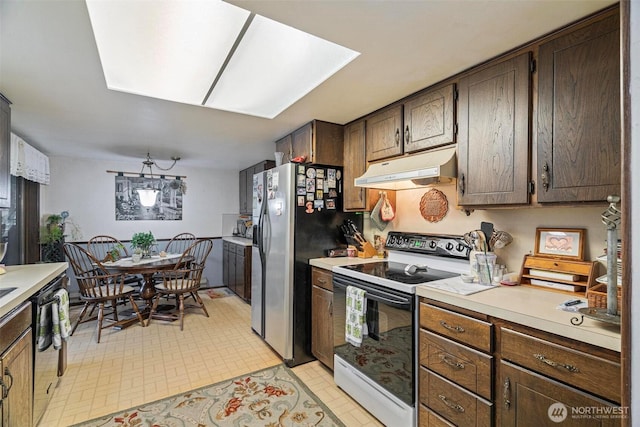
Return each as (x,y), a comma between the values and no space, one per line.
(149,194)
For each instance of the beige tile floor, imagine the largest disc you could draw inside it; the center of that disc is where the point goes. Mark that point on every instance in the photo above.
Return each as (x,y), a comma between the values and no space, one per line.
(138,365)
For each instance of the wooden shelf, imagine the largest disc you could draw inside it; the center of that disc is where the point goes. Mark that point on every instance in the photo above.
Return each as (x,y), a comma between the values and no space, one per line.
(584,272)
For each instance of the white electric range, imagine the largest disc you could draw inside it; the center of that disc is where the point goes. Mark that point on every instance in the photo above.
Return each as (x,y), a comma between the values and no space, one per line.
(381,372)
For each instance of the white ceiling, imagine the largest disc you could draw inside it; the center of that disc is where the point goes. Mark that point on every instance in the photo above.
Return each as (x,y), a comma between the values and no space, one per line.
(50,70)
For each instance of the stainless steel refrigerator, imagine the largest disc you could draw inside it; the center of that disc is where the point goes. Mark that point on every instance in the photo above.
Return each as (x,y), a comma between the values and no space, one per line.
(297,211)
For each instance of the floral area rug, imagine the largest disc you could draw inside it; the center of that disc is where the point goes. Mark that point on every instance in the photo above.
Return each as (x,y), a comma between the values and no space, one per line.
(270,397)
(219,292)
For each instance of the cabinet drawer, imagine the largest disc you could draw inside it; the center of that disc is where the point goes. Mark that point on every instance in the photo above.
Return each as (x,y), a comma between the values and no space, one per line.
(591,373)
(459,327)
(322,278)
(13,324)
(464,366)
(428,418)
(453,403)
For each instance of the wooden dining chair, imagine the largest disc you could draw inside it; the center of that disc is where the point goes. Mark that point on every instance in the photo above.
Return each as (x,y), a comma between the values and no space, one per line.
(178,283)
(97,288)
(183,281)
(180,243)
(102,247)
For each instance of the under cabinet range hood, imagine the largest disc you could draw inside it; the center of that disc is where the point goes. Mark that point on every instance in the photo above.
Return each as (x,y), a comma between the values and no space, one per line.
(411,171)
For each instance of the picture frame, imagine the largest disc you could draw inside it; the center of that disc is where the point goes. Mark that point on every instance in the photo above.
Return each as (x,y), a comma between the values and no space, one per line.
(566,243)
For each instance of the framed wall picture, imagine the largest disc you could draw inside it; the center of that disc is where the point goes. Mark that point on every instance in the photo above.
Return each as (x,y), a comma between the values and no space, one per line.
(560,243)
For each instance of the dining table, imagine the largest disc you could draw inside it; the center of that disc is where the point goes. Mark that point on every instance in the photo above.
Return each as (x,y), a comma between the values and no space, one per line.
(147,268)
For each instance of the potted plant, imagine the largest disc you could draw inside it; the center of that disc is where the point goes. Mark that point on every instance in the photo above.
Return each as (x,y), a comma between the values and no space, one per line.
(52,238)
(143,241)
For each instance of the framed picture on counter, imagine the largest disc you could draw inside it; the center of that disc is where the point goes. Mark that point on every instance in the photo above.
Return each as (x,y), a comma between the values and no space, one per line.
(560,243)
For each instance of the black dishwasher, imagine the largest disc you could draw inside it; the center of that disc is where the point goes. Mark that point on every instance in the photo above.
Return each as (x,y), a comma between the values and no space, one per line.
(48,363)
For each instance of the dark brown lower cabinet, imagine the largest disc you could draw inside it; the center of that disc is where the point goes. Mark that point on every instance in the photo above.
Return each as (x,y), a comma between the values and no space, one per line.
(525,398)
(236,269)
(322,316)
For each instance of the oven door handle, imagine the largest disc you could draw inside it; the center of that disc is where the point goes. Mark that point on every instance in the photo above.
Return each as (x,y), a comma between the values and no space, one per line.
(374,295)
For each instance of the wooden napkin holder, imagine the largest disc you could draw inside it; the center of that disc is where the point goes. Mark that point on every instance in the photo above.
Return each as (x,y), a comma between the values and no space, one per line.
(584,272)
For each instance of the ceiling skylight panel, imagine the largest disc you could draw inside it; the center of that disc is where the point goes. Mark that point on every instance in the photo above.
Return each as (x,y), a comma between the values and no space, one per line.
(164,49)
(273,67)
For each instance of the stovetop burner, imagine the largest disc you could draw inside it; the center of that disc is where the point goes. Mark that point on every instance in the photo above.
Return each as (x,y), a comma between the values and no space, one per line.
(403,273)
(414,259)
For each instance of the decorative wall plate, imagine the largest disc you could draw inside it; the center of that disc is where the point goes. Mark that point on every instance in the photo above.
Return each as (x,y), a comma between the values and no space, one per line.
(434,205)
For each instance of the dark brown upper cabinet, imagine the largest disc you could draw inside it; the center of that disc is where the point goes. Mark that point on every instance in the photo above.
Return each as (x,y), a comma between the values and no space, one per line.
(494,109)
(317,141)
(5,145)
(429,120)
(354,198)
(384,134)
(578,138)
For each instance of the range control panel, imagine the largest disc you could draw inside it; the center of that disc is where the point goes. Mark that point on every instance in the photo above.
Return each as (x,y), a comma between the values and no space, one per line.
(428,244)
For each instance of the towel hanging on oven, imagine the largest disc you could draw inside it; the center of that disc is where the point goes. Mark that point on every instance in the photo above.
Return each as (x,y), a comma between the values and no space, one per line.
(43,322)
(60,318)
(355,325)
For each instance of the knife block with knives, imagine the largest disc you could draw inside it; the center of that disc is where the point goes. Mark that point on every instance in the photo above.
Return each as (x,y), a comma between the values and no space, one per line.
(356,239)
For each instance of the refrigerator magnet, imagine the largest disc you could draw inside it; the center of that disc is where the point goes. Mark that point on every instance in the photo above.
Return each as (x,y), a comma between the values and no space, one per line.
(318,204)
(331,203)
(319,194)
(319,173)
(333,193)
(301,169)
(301,191)
(310,197)
(300,200)
(300,181)
(311,185)
(309,206)
(319,183)
(311,173)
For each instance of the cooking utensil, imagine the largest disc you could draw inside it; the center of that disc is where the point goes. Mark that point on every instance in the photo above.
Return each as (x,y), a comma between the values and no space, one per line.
(487,230)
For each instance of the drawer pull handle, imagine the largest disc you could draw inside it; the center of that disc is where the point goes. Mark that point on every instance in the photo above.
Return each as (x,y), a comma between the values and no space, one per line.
(542,358)
(452,363)
(322,281)
(445,325)
(506,393)
(451,405)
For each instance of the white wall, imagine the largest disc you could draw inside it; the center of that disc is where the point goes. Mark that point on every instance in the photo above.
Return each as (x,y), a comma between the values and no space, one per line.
(83,188)
(521,223)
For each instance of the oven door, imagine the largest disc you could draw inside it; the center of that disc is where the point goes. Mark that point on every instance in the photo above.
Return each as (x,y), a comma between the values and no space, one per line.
(386,355)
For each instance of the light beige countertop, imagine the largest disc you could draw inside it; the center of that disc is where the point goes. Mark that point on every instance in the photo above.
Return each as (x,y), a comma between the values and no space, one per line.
(531,307)
(29,279)
(238,240)
(329,263)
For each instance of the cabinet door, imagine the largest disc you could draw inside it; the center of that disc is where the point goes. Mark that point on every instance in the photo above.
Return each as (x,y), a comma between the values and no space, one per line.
(5,145)
(239,271)
(226,262)
(354,198)
(322,325)
(525,398)
(283,145)
(242,188)
(579,115)
(301,142)
(384,137)
(17,372)
(429,120)
(493,139)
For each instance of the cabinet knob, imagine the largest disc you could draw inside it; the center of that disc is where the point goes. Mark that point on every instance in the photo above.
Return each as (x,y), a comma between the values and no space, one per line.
(506,393)
(461,184)
(458,329)
(397,136)
(545,177)
(553,364)
(407,135)
(450,404)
